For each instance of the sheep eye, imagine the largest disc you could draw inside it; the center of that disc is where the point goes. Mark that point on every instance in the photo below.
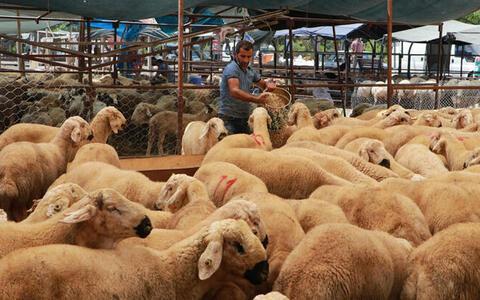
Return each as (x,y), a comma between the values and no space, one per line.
(239,247)
(113,209)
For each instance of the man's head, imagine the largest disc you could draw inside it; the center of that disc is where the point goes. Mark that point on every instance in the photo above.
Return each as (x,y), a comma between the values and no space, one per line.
(243,53)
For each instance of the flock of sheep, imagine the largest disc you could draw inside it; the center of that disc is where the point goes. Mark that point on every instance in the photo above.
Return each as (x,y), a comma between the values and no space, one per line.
(378,206)
(416,98)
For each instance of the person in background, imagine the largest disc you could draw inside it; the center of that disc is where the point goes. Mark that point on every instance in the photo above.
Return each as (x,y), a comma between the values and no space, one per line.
(163,69)
(235,96)
(357,48)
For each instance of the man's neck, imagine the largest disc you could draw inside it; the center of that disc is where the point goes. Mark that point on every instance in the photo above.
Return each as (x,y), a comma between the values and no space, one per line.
(244,69)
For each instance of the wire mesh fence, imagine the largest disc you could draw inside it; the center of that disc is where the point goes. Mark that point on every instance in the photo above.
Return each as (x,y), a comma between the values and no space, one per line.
(421,99)
(49,99)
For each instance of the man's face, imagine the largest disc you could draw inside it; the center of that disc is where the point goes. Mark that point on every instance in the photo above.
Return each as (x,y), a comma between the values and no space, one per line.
(244,57)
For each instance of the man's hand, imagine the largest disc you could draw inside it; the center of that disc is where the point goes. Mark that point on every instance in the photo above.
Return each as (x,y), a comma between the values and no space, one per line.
(270,85)
(262,98)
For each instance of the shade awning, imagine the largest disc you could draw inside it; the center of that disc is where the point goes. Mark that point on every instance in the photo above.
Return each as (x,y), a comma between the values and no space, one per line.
(429,33)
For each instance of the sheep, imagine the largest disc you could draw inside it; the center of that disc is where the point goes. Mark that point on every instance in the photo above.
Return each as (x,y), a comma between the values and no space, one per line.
(108,120)
(3,216)
(226,246)
(374,151)
(54,201)
(165,122)
(458,157)
(328,135)
(442,203)
(444,267)
(224,181)
(27,169)
(325,118)
(98,220)
(287,176)
(187,198)
(420,160)
(376,209)
(406,96)
(376,172)
(96,175)
(313,212)
(299,115)
(283,229)
(259,121)
(342,261)
(333,164)
(95,152)
(199,136)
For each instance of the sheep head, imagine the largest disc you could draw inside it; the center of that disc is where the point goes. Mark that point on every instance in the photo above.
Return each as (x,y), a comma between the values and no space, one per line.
(115,118)
(259,113)
(110,214)
(473,158)
(437,143)
(324,118)
(463,119)
(428,119)
(76,129)
(55,200)
(173,195)
(374,151)
(397,117)
(216,126)
(142,114)
(233,243)
(295,110)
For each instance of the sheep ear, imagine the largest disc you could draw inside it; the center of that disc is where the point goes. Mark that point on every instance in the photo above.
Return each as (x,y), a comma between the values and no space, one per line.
(83,214)
(148,112)
(292,117)
(363,154)
(210,259)
(76,135)
(205,130)
(177,200)
(250,122)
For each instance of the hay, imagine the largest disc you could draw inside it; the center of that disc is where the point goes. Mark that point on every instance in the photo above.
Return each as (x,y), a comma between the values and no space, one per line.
(277,106)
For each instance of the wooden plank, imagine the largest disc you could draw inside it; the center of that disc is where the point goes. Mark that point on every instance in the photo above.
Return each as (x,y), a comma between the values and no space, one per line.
(160,168)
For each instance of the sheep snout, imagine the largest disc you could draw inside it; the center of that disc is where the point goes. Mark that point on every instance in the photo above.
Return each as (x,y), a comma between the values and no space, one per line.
(144,228)
(265,242)
(258,274)
(385,163)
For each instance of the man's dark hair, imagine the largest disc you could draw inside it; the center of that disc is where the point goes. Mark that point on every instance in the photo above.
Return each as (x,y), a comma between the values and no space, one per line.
(243,44)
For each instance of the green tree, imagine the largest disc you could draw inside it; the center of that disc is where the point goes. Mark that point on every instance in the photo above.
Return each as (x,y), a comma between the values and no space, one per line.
(473,18)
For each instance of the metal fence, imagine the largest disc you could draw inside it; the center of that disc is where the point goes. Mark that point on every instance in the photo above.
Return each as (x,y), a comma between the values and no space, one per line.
(45,99)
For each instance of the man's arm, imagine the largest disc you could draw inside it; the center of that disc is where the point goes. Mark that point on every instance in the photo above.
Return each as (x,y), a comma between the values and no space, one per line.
(266,85)
(236,92)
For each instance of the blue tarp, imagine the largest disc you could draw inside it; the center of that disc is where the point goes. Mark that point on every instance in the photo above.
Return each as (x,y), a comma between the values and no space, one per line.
(128,32)
(341,31)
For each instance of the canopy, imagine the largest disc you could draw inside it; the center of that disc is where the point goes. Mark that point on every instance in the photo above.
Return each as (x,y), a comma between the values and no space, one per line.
(429,33)
(404,11)
(9,26)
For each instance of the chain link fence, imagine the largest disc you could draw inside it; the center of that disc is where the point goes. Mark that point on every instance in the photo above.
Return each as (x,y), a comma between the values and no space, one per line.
(46,98)
(421,99)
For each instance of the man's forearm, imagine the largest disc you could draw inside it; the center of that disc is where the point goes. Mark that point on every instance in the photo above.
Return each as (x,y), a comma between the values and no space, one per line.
(244,96)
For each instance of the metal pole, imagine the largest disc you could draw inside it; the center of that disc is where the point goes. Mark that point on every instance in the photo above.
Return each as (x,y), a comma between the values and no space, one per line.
(180,76)
(347,69)
(290,37)
(339,79)
(81,48)
(389,46)
(89,49)
(439,61)
(409,60)
(115,69)
(21,62)
(461,61)
(315,50)
(400,58)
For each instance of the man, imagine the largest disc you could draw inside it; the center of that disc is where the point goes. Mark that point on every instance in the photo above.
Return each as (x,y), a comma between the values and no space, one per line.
(163,69)
(357,51)
(235,97)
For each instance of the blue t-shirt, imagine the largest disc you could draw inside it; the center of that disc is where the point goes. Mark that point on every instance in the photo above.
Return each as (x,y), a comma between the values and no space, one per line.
(230,106)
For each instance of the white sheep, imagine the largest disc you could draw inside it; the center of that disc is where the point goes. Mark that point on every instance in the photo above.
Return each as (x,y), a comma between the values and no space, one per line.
(378,209)
(259,121)
(54,201)
(342,261)
(200,136)
(95,152)
(445,266)
(299,115)
(99,220)
(224,181)
(97,175)
(187,198)
(226,246)
(420,160)
(27,169)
